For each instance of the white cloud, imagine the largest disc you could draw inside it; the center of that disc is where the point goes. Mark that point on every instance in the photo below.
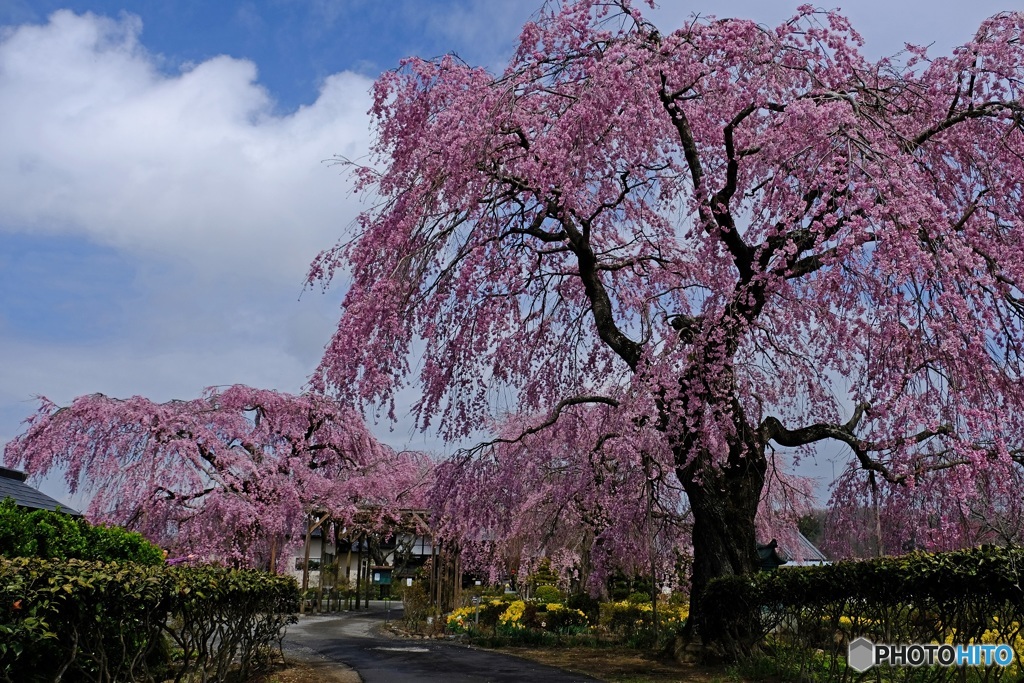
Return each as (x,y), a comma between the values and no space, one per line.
(97,140)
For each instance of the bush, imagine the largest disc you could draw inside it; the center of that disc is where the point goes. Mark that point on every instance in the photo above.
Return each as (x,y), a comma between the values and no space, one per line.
(621,586)
(55,535)
(115,544)
(962,597)
(416,605)
(519,622)
(546,594)
(517,615)
(223,615)
(566,620)
(679,598)
(639,598)
(588,605)
(84,620)
(462,619)
(492,610)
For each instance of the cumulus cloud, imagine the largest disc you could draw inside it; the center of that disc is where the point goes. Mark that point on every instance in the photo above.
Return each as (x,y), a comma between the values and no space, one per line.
(99,139)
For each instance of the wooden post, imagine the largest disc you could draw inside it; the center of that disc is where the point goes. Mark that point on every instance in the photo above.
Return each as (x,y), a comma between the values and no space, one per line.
(305,567)
(440,581)
(457,594)
(313,526)
(369,570)
(320,581)
(359,573)
(348,571)
(432,585)
(337,566)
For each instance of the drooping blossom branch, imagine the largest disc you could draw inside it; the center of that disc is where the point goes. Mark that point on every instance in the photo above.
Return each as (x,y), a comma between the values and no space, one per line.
(225,476)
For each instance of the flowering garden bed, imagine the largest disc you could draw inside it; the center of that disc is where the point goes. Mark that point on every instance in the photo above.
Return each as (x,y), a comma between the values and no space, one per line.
(514,621)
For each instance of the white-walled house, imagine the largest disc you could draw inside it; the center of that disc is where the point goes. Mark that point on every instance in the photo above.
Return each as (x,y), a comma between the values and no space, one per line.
(356,557)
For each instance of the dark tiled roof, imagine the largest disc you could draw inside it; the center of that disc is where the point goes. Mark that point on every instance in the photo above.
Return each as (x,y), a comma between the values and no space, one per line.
(12,485)
(769,556)
(800,552)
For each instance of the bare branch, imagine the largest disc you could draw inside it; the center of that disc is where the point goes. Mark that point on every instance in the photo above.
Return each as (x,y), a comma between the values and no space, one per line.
(556,412)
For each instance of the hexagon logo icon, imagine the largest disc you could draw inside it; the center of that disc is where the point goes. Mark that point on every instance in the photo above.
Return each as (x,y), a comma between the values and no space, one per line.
(861,655)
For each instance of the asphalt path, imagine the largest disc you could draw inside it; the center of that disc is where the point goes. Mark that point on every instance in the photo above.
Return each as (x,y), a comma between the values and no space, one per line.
(354,639)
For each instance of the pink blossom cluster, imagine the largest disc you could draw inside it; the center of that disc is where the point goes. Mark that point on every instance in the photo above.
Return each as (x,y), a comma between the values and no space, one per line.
(224,477)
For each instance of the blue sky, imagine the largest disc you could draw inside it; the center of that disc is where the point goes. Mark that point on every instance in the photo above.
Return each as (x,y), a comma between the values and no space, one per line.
(163,185)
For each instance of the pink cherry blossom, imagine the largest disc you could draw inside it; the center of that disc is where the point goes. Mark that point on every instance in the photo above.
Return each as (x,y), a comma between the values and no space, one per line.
(224,477)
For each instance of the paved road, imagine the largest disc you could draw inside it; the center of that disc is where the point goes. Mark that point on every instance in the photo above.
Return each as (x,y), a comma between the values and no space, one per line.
(353,639)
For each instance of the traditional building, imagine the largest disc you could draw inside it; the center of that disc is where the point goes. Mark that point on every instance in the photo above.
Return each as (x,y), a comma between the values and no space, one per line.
(12,485)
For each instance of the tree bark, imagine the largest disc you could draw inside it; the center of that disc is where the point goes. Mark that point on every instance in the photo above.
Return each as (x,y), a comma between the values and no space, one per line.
(724,503)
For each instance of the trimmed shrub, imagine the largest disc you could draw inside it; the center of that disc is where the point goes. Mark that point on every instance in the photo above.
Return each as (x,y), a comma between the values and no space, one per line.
(962,597)
(547,594)
(55,535)
(639,598)
(84,620)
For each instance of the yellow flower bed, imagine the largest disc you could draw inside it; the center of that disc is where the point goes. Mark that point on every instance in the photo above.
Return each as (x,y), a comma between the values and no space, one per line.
(458,618)
(624,616)
(513,616)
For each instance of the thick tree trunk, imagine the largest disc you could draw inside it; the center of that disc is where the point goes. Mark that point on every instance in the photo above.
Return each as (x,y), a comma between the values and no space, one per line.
(724,503)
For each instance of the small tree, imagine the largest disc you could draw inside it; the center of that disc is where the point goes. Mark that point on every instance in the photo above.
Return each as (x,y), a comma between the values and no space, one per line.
(230,475)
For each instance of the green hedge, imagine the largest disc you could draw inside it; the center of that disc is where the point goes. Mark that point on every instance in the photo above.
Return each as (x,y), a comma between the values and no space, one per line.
(94,621)
(962,597)
(219,615)
(43,533)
